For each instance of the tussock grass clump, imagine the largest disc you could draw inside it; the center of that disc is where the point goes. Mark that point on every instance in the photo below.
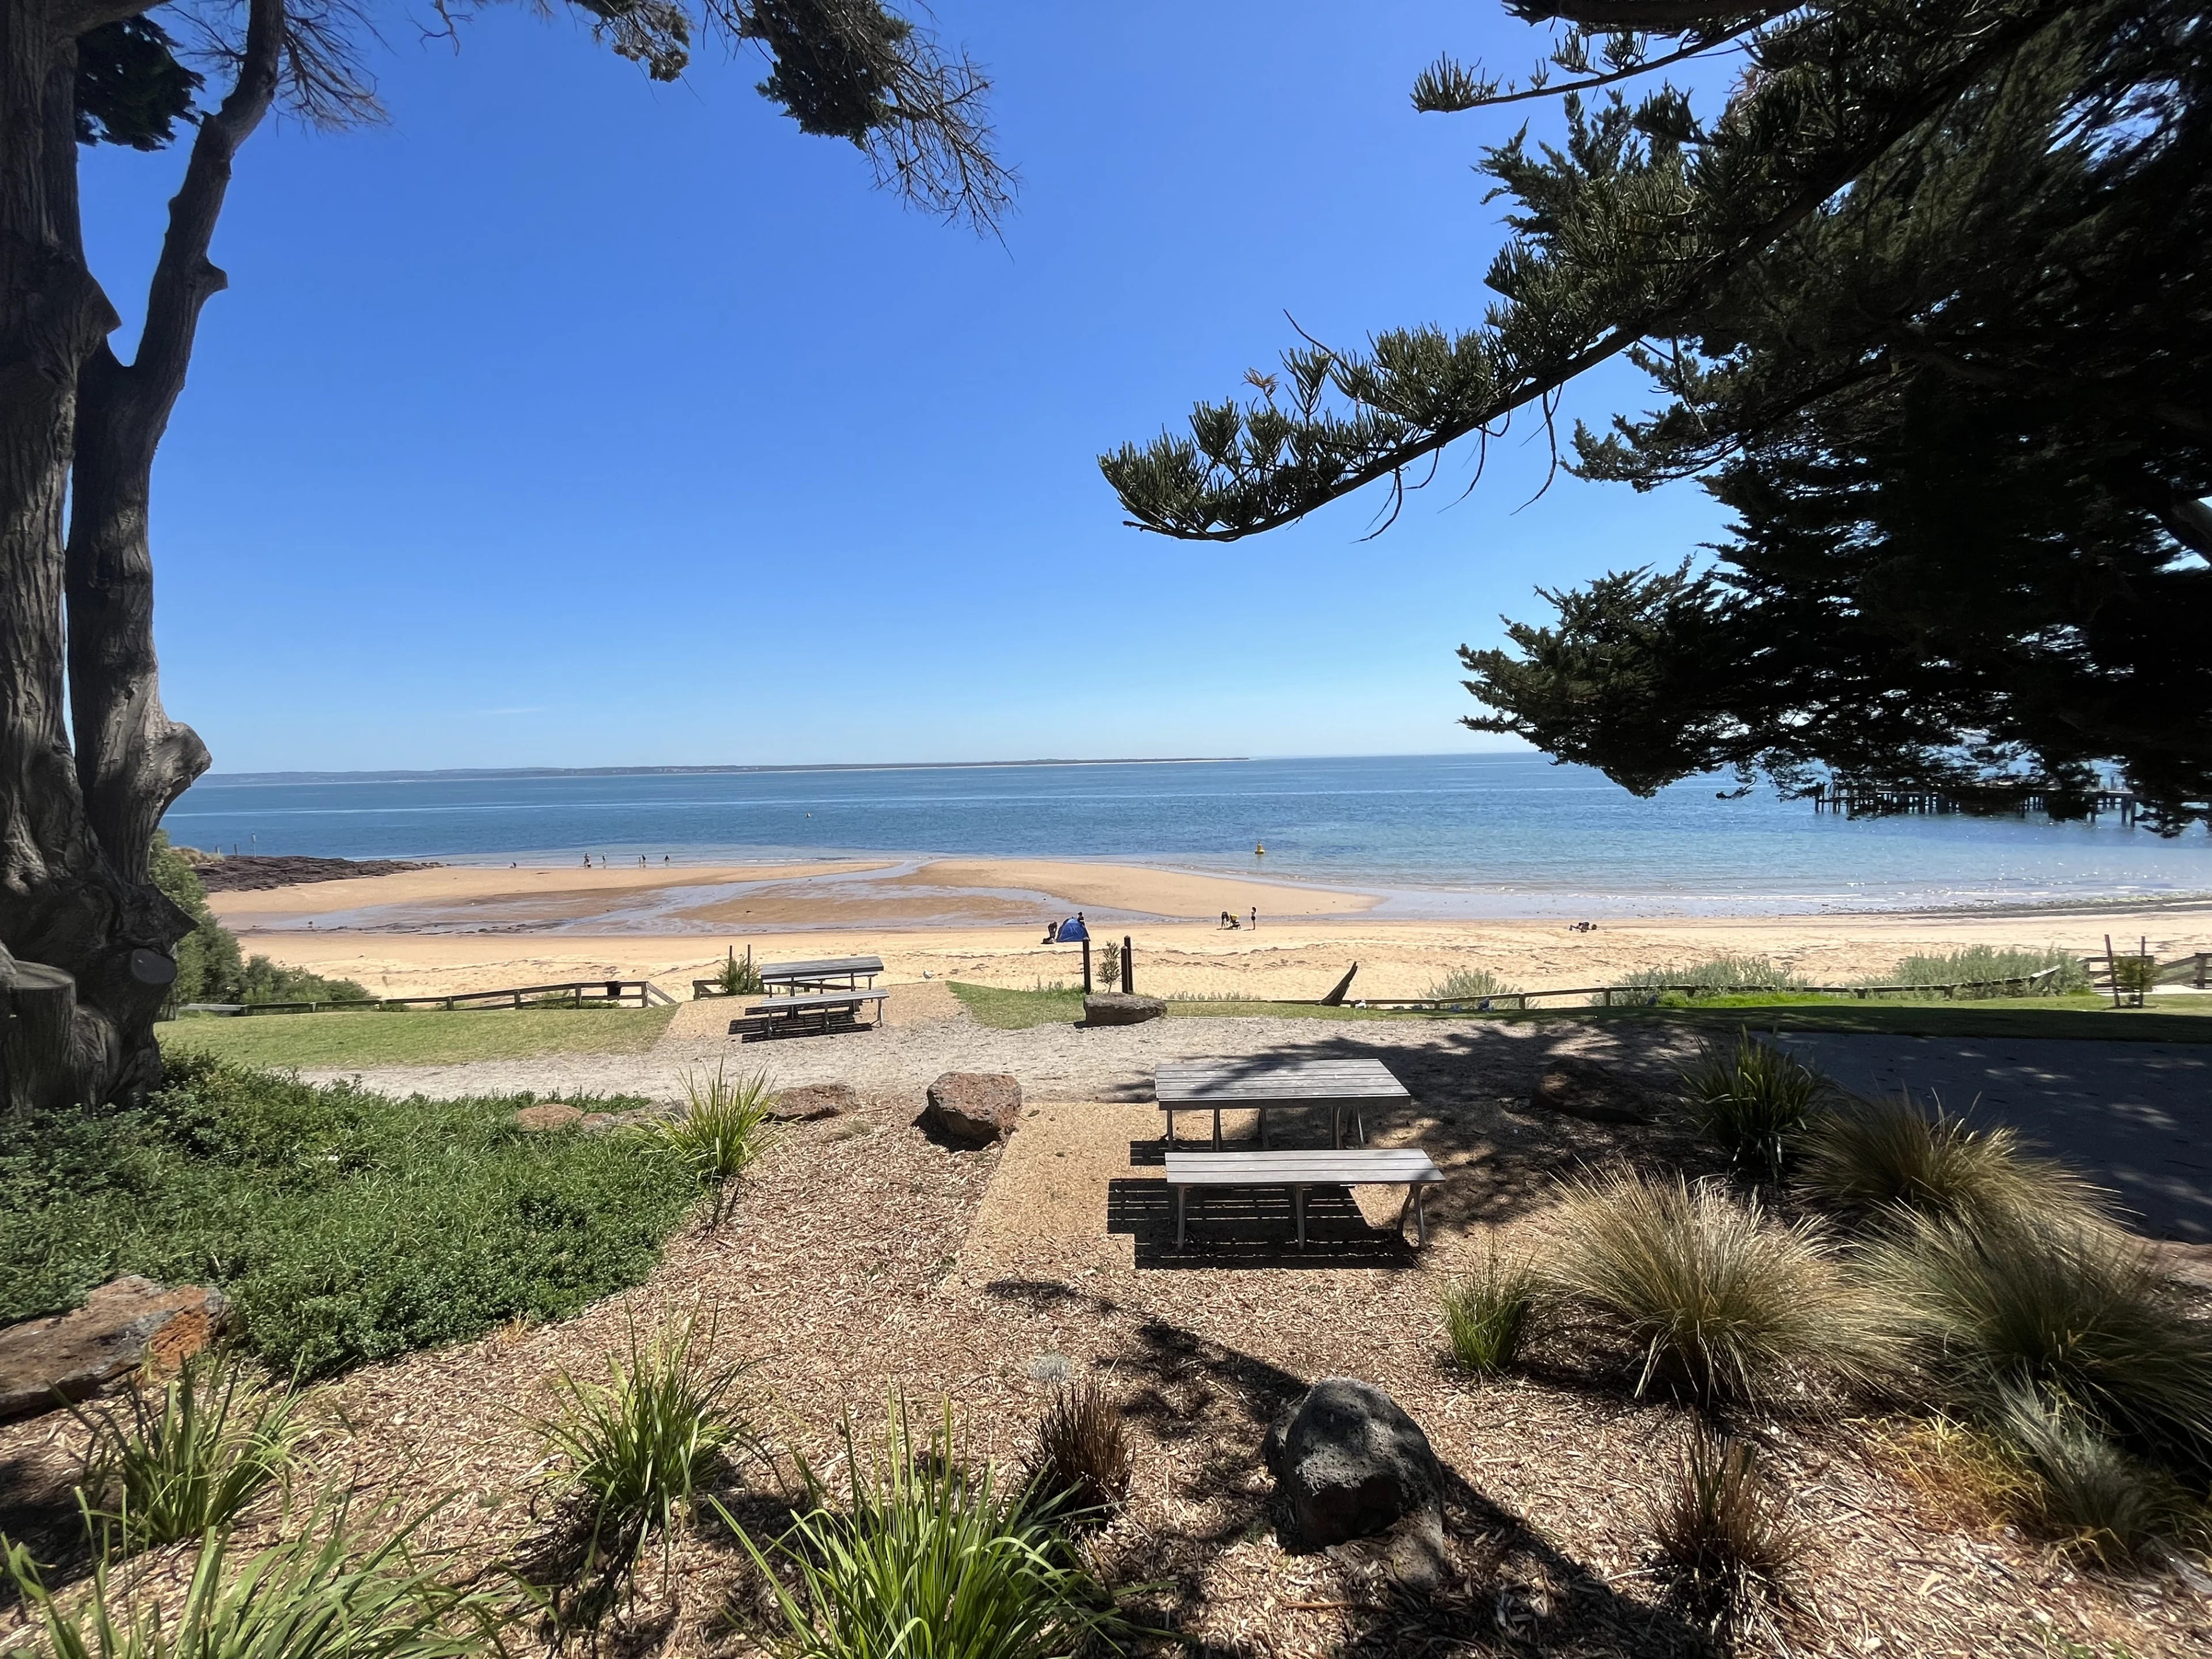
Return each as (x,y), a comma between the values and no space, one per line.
(1719,1299)
(186,1457)
(2077,1311)
(1470,985)
(2083,1488)
(1985,965)
(1871,1155)
(1720,973)
(1487,1314)
(1752,1100)
(723,1127)
(1081,1463)
(1720,1523)
(932,1561)
(317,1595)
(640,1445)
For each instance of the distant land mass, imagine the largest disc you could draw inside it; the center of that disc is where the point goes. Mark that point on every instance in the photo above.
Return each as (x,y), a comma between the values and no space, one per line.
(465,772)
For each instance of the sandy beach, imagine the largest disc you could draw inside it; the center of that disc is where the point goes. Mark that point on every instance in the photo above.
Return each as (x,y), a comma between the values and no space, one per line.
(465,927)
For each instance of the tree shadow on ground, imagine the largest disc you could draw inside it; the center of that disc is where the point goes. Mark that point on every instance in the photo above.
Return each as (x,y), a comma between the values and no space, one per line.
(1505,1588)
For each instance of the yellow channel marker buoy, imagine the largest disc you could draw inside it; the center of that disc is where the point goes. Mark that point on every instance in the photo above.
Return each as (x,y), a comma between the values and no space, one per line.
(1260,850)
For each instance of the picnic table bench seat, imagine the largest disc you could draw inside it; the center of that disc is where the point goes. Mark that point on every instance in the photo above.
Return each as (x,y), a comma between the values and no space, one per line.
(1219,1086)
(1353,1166)
(821,973)
(815,1012)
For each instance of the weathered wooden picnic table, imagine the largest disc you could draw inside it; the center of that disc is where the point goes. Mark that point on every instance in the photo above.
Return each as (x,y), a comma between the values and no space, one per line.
(1356,1166)
(823,974)
(786,1015)
(1263,1086)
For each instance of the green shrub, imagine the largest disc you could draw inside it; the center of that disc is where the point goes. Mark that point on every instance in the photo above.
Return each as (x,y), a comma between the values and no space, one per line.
(931,1562)
(318,1595)
(1470,985)
(723,1127)
(345,1226)
(640,1445)
(1719,1524)
(1487,1315)
(186,1458)
(2076,1310)
(2085,1489)
(1752,1099)
(1714,1297)
(1080,1465)
(1868,1155)
(1982,964)
(208,967)
(1720,973)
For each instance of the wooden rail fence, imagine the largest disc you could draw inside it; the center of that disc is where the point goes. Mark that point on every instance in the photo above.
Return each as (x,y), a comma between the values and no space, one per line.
(569,993)
(1633,995)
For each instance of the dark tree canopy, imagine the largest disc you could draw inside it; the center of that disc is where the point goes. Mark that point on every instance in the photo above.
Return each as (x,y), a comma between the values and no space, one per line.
(1927,302)
(130,90)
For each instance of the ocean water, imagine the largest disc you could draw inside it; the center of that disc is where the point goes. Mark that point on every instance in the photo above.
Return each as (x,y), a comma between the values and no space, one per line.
(1439,835)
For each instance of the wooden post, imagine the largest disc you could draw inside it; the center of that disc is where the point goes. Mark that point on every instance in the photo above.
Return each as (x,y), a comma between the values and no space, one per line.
(1086,964)
(2113,970)
(1128,966)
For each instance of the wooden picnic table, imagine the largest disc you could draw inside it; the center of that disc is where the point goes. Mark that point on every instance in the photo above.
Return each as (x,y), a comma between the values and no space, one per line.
(781,1015)
(1263,1086)
(820,973)
(1356,1166)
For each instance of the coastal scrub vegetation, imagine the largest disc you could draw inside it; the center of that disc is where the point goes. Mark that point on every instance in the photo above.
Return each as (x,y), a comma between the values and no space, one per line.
(1886,267)
(344,1226)
(1870,1157)
(1487,1314)
(209,967)
(1079,1465)
(1752,1099)
(1721,1524)
(1470,985)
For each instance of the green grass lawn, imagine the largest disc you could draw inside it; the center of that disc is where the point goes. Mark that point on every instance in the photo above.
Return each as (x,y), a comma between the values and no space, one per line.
(343,1226)
(427,1038)
(2169,1019)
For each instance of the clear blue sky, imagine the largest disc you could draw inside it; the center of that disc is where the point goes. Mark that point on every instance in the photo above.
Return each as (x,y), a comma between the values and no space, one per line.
(570,420)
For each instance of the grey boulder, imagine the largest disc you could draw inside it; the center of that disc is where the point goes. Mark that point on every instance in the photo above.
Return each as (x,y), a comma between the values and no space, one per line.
(975,1107)
(1352,1464)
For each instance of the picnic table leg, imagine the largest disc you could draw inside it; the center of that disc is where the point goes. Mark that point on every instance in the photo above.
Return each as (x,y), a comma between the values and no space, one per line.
(1298,1205)
(1171,1125)
(1264,1141)
(1359,1122)
(1217,1128)
(1421,1214)
(1181,1193)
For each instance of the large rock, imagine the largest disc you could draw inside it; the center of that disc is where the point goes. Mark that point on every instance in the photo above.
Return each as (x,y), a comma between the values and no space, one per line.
(1582,1088)
(813,1101)
(974,1106)
(1120,1008)
(124,1324)
(1352,1464)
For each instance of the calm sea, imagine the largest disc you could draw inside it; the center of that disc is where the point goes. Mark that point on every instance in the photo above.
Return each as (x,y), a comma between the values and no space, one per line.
(1444,835)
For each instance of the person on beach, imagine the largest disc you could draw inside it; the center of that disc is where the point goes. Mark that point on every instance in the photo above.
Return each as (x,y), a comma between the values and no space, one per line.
(1052,932)
(1256,918)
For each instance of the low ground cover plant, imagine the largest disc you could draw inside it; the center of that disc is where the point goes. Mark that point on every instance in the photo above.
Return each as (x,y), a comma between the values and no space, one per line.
(1710,1293)
(1752,1099)
(1487,1314)
(1470,985)
(345,1226)
(930,1560)
(1868,1156)
(170,1461)
(327,1591)
(1983,964)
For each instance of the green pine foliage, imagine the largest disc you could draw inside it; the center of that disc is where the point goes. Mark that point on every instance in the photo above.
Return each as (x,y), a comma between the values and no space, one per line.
(345,1226)
(209,967)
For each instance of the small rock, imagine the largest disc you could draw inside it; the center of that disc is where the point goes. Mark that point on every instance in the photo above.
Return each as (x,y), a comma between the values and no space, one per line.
(1352,1464)
(124,1324)
(813,1101)
(974,1106)
(1582,1088)
(1117,1008)
(548,1117)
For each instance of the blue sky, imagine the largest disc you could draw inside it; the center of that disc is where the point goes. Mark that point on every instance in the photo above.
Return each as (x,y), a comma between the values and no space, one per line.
(570,420)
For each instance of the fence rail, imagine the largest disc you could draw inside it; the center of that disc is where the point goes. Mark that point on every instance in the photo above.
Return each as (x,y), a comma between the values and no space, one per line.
(573,994)
(2024,982)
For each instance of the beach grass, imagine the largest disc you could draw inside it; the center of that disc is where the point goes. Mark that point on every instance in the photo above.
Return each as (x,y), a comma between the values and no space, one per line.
(422,1037)
(345,1226)
(2173,1019)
